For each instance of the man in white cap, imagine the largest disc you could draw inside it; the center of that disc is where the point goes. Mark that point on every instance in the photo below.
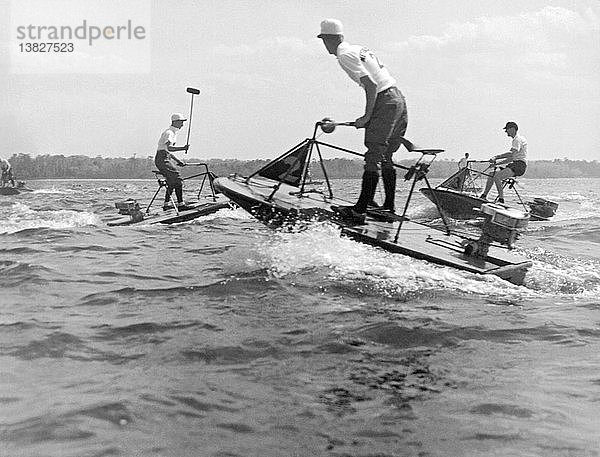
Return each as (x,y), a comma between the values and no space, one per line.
(164,160)
(516,159)
(385,118)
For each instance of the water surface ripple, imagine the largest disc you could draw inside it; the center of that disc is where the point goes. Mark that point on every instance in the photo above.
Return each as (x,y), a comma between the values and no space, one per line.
(220,337)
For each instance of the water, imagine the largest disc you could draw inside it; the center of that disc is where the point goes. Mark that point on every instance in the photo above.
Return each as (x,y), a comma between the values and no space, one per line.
(220,337)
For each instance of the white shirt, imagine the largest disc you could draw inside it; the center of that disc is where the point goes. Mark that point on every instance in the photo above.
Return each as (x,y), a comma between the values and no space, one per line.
(358,61)
(462,163)
(519,148)
(167,138)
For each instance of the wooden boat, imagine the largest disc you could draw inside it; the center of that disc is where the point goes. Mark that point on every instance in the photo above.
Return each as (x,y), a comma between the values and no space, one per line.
(15,190)
(458,196)
(426,243)
(278,194)
(207,202)
(9,190)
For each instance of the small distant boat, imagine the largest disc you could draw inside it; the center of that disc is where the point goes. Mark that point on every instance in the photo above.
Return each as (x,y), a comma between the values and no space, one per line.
(278,194)
(458,195)
(9,190)
(16,189)
(132,212)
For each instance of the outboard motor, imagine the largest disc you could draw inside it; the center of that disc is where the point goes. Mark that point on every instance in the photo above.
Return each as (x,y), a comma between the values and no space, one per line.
(130,208)
(540,208)
(502,225)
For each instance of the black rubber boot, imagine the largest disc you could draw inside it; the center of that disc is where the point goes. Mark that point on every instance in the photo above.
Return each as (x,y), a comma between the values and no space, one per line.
(168,193)
(389,186)
(367,191)
(179,194)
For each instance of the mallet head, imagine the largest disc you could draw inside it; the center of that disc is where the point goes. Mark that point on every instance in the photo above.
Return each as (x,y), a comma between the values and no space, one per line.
(327,125)
(192,90)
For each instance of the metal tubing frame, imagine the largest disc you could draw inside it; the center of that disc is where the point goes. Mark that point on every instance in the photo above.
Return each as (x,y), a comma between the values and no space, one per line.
(205,173)
(418,174)
(418,170)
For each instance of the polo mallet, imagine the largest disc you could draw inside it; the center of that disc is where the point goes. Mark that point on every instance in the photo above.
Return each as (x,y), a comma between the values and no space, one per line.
(193,91)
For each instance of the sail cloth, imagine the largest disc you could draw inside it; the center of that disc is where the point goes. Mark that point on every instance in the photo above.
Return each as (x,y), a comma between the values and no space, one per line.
(288,169)
(470,179)
(457,180)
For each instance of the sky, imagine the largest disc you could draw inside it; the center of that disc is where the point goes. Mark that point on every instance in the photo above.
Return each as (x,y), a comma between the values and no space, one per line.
(466,67)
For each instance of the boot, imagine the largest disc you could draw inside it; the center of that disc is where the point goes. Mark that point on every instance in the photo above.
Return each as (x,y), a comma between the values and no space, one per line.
(389,186)
(349,214)
(179,194)
(168,192)
(367,191)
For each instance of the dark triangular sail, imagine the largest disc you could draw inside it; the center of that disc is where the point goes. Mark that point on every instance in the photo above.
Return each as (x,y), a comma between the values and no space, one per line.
(288,169)
(457,180)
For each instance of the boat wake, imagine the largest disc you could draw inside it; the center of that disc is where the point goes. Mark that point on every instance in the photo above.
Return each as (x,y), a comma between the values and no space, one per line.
(22,217)
(555,274)
(230,213)
(52,190)
(320,249)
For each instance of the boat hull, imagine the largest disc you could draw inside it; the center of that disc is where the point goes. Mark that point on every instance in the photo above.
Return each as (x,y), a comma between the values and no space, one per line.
(9,191)
(171,216)
(457,205)
(427,243)
(286,206)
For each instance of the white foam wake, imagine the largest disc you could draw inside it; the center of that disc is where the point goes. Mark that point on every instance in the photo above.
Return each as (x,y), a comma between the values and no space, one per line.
(22,217)
(321,246)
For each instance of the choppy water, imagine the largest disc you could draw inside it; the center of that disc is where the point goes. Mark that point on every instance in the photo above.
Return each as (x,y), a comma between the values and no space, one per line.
(220,337)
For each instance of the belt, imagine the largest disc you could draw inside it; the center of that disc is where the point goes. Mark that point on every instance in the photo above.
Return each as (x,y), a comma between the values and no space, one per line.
(385,90)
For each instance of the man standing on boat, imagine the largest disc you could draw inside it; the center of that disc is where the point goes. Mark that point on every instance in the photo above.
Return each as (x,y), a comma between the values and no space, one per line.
(385,118)
(464,162)
(516,159)
(165,161)
(7,175)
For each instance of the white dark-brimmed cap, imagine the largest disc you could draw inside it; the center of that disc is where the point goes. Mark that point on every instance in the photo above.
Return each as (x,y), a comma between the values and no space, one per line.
(331,27)
(177,117)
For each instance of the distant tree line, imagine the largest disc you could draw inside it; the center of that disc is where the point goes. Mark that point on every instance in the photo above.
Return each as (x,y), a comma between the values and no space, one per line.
(84,167)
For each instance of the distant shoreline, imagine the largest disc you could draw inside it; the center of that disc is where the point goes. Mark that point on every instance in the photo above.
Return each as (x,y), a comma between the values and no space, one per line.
(83,167)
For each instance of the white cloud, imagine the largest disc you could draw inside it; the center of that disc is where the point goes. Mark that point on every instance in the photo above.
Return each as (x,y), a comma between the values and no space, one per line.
(548,27)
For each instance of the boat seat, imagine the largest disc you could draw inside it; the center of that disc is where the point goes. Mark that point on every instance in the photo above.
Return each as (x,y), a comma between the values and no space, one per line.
(411,147)
(162,179)
(428,151)
(510,182)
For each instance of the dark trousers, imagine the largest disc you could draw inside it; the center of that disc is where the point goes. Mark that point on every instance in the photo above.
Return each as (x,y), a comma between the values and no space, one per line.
(6,177)
(174,183)
(383,137)
(168,170)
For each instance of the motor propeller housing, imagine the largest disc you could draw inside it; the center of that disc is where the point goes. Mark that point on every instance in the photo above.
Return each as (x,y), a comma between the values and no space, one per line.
(501,225)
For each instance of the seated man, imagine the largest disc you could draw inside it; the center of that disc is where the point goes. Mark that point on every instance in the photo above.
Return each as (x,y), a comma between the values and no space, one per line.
(516,159)
(7,175)
(164,160)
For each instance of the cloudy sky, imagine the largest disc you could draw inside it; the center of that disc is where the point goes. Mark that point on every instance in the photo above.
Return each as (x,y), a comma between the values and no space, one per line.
(466,67)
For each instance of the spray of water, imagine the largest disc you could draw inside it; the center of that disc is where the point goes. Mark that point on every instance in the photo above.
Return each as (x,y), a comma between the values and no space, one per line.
(22,217)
